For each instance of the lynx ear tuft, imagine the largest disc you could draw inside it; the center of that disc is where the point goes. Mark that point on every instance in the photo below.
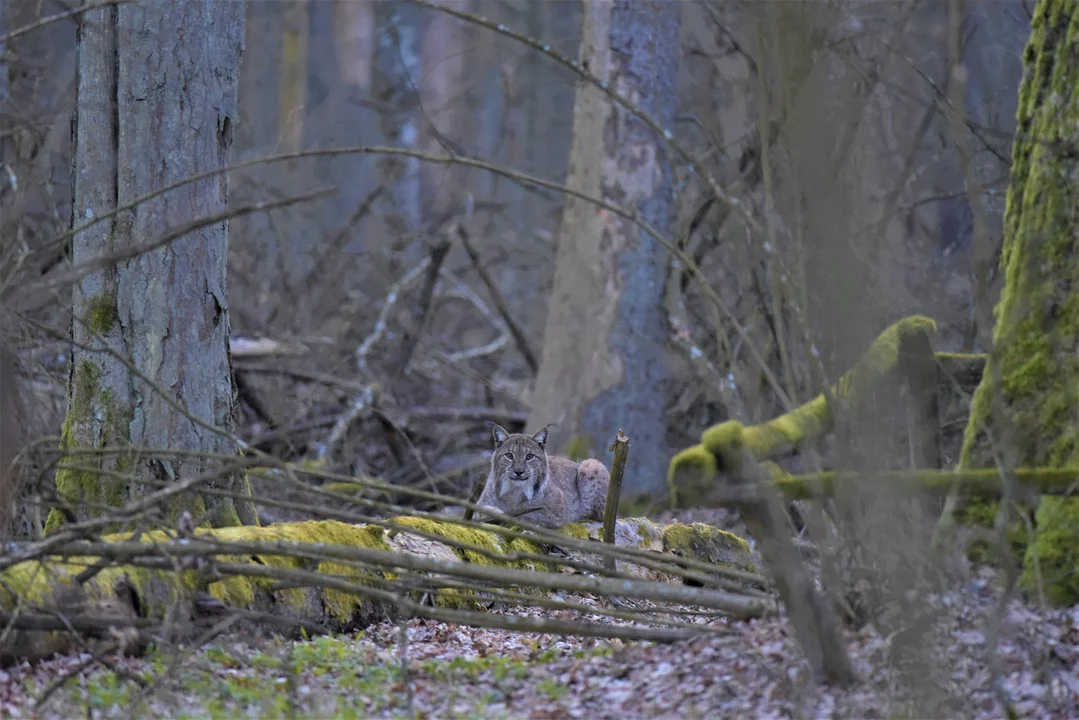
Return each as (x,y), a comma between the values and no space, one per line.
(541,438)
(499,433)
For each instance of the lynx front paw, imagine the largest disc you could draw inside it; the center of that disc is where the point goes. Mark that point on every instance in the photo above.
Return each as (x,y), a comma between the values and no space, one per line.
(486,513)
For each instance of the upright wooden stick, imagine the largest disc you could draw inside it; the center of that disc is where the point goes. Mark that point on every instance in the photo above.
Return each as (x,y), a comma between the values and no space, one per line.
(620,446)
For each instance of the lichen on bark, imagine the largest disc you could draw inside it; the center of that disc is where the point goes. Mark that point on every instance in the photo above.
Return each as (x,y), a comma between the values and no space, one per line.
(1024,410)
(151,371)
(604,365)
(95,420)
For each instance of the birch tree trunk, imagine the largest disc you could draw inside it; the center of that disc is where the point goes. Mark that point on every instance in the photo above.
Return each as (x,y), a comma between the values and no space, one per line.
(157,100)
(603,365)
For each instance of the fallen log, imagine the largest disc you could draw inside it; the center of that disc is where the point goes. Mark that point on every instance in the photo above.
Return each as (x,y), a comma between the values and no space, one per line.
(340,577)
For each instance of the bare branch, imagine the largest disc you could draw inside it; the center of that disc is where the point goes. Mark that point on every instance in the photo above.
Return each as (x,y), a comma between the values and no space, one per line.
(503,310)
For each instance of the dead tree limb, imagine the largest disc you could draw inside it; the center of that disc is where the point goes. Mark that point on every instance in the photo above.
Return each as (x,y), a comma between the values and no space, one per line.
(815,623)
(422,307)
(620,447)
(518,333)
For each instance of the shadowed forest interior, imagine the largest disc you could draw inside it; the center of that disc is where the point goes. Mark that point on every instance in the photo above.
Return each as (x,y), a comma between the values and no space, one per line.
(278,278)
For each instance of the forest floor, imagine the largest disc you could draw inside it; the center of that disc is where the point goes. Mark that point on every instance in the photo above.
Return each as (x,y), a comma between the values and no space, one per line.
(746,669)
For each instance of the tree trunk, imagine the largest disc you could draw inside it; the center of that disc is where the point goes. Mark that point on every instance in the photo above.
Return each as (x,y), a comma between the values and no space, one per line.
(398,66)
(603,365)
(12,418)
(1024,410)
(156,103)
(447,112)
(292,93)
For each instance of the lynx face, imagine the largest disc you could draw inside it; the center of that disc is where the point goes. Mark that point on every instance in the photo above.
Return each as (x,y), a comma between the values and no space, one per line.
(519,462)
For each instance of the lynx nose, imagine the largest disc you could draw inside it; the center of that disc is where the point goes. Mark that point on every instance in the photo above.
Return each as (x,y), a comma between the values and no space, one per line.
(520,474)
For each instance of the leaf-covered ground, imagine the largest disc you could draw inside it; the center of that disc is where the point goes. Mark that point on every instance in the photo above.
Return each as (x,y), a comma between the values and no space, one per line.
(750,670)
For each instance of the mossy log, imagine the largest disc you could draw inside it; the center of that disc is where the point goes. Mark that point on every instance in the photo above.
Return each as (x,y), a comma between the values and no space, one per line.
(962,369)
(814,621)
(793,429)
(337,577)
(981,483)
(693,470)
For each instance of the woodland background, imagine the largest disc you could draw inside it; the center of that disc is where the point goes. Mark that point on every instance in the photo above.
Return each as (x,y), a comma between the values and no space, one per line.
(856,100)
(383,306)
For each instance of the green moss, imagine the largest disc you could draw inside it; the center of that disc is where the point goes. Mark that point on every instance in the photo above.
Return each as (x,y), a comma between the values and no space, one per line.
(1052,556)
(956,356)
(101,314)
(552,689)
(107,691)
(344,606)
(691,476)
(982,513)
(1033,371)
(795,428)
(98,419)
(55,519)
(159,592)
(725,440)
(973,483)
(83,390)
(226,515)
(700,540)
(486,540)
(575,530)
(82,429)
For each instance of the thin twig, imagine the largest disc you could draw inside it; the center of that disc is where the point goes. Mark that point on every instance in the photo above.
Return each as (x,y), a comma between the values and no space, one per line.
(664,135)
(480,350)
(522,178)
(423,306)
(383,314)
(202,546)
(32,292)
(476,414)
(474,498)
(287,474)
(49,19)
(359,405)
(518,333)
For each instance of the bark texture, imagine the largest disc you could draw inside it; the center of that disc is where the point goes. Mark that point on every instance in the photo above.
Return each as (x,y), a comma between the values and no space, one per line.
(604,363)
(12,419)
(156,103)
(1025,408)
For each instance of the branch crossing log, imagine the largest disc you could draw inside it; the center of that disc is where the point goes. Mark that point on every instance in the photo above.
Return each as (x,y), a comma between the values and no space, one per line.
(815,624)
(340,576)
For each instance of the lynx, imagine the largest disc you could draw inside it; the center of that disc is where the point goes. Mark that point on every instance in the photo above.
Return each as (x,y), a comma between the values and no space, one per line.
(547,491)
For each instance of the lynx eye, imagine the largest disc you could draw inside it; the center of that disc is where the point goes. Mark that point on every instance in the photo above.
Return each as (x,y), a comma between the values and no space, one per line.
(529,456)
(509,456)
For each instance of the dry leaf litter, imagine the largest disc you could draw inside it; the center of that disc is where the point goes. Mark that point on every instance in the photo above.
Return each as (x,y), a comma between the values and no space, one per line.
(749,669)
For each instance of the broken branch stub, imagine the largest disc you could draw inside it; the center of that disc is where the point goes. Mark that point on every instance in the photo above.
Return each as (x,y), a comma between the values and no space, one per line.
(620,447)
